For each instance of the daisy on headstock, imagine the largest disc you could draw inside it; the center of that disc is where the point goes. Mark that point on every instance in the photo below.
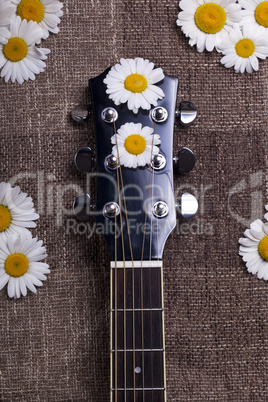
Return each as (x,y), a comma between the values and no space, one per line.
(133,82)
(135,145)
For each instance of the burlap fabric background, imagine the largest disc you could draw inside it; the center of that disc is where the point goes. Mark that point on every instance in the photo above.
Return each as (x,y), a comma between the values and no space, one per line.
(55,344)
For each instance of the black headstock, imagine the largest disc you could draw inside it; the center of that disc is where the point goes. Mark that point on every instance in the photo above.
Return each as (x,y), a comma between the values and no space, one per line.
(148,210)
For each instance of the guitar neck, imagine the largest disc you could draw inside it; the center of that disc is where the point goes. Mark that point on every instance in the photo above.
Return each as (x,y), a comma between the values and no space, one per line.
(136,212)
(137,332)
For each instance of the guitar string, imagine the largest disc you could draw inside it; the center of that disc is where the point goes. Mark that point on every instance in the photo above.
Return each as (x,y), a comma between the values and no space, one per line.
(133,274)
(161,299)
(132,260)
(157,248)
(151,319)
(133,267)
(142,255)
(162,329)
(115,304)
(124,268)
(162,315)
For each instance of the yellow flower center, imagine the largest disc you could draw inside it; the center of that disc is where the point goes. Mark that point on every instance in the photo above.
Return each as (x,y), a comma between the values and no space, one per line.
(16,265)
(135,144)
(245,48)
(15,49)
(263,248)
(5,218)
(261,14)
(31,10)
(136,83)
(210,18)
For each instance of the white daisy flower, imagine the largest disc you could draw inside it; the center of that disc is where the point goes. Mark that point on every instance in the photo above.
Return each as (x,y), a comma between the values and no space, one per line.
(135,144)
(20,59)
(242,47)
(46,13)
(254,249)
(266,215)
(6,12)
(205,21)
(132,81)
(20,265)
(255,12)
(16,212)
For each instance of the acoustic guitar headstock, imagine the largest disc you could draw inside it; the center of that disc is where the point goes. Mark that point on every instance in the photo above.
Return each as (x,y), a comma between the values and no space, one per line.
(134,109)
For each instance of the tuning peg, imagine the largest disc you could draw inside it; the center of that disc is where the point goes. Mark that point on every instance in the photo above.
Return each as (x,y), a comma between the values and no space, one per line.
(187,113)
(81,114)
(82,207)
(83,160)
(188,206)
(185,160)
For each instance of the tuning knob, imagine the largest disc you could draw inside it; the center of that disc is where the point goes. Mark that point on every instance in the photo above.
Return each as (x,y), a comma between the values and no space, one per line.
(81,114)
(187,113)
(82,207)
(188,206)
(185,160)
(83,160)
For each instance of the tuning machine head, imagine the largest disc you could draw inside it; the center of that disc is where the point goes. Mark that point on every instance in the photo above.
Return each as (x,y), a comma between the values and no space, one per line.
(188,206)
(185,160)
(186,113)
(83,160)
(81,113)
(83,207)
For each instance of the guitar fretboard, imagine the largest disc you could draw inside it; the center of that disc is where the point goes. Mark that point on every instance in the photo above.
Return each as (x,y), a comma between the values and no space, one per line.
(137,332)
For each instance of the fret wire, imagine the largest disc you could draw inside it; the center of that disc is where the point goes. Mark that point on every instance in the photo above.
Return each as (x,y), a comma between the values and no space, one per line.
(154,264)
(138,350)
(141,389)
(137,309)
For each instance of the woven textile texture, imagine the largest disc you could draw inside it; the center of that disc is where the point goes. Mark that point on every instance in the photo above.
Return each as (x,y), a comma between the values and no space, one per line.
(55,344)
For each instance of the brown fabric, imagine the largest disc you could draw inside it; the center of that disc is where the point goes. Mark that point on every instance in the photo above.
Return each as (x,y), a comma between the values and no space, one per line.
(55,344)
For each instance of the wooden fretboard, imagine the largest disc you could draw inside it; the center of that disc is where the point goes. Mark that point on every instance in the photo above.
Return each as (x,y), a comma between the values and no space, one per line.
(137,341)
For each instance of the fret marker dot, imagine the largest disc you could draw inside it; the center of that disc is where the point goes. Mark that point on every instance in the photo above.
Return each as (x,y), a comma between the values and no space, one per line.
(138,370)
